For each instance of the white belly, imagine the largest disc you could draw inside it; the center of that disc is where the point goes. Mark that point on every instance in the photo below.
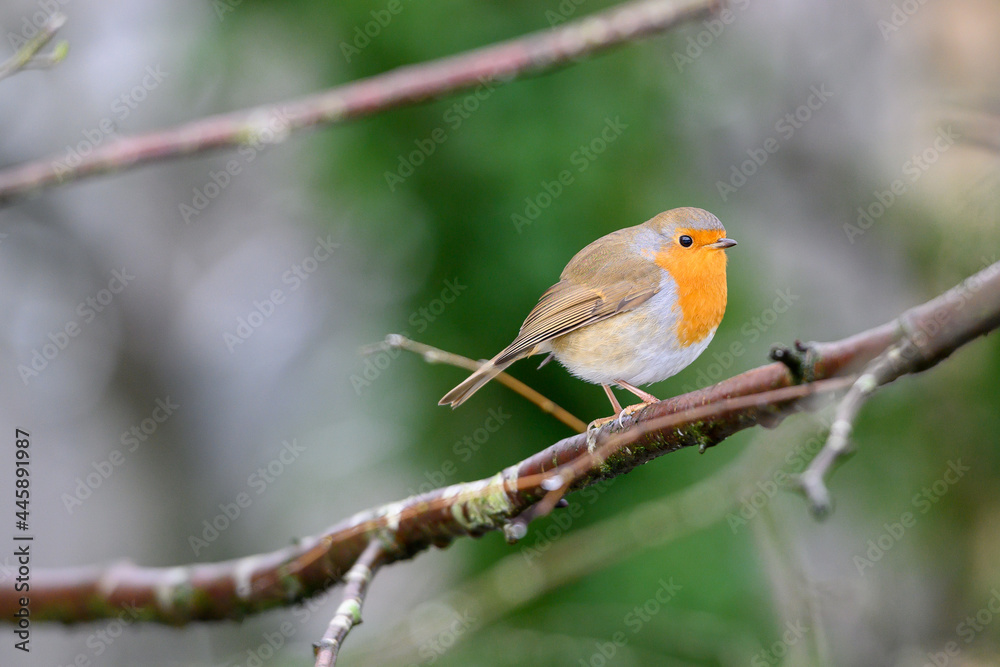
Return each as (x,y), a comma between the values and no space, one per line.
(638,346)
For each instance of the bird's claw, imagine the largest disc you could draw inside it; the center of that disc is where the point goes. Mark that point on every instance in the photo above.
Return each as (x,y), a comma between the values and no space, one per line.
(598,423)
(619,418)
(631,410)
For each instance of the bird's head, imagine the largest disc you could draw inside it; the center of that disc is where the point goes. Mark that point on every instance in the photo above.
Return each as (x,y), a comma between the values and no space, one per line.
(688,242)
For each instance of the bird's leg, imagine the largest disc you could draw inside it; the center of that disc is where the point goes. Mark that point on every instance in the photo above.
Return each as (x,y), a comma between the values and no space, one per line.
(646,397)
(597,423)
(620,412)
(611,397)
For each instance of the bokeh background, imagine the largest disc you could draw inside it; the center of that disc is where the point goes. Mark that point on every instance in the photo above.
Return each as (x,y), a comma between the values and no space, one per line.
(455,255)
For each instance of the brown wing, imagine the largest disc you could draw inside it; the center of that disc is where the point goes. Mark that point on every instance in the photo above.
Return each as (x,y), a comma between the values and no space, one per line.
(567,306)
(605,278)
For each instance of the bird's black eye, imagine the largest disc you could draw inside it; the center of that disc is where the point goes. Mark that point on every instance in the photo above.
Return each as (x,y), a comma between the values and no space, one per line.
(686,241)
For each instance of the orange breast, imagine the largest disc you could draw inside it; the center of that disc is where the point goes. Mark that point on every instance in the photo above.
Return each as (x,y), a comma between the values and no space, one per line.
(700,274)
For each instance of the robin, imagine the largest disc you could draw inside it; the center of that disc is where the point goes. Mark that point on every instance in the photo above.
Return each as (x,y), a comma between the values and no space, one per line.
(634,307)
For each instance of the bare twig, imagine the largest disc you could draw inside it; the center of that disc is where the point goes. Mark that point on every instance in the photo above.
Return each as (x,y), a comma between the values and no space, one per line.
(838,445)
(349,612)
(433,355)
(532,54)
(926,334)
(918,346)
(27,56)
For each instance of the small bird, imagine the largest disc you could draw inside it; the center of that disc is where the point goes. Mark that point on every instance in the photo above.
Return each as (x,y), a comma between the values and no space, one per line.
(634,307)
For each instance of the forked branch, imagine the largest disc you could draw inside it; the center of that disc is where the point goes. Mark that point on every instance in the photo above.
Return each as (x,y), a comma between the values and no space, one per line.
(924,336)
(28,57)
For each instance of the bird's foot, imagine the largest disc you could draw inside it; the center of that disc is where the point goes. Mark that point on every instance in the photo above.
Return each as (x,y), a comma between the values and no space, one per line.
(598,423)
(620,417)
(630,410)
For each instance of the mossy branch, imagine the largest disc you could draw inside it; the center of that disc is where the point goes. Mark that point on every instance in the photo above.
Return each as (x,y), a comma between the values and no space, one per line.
(765,395)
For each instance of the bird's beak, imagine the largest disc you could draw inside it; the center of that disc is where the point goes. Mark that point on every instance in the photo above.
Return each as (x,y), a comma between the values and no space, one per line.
(722,244)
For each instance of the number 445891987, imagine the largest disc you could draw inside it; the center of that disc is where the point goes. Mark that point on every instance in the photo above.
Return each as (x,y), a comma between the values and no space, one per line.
(21,472)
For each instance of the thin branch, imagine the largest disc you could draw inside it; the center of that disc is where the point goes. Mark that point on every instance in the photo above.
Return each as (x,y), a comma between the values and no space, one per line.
(532,54)
(349,612)
(811,482)
(232,589)
(433,355)
(559,481)
(548,563)
(924,339)
(27,56)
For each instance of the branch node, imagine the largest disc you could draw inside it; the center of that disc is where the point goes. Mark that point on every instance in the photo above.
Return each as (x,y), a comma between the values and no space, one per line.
(27,57)
(515,531)
(323,644)
(553,483)
(812,486)
(791,359)
(838,442)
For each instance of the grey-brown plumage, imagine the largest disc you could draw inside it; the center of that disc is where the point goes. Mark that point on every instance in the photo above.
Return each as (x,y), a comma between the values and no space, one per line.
(613,275)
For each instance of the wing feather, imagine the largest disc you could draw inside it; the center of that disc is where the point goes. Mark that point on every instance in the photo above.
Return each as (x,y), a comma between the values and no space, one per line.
(567,306)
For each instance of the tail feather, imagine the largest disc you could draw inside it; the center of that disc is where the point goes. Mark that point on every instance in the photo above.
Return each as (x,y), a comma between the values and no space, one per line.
(471,384)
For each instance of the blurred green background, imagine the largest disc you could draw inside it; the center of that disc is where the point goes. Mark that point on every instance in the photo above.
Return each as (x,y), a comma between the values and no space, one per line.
(455,254)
